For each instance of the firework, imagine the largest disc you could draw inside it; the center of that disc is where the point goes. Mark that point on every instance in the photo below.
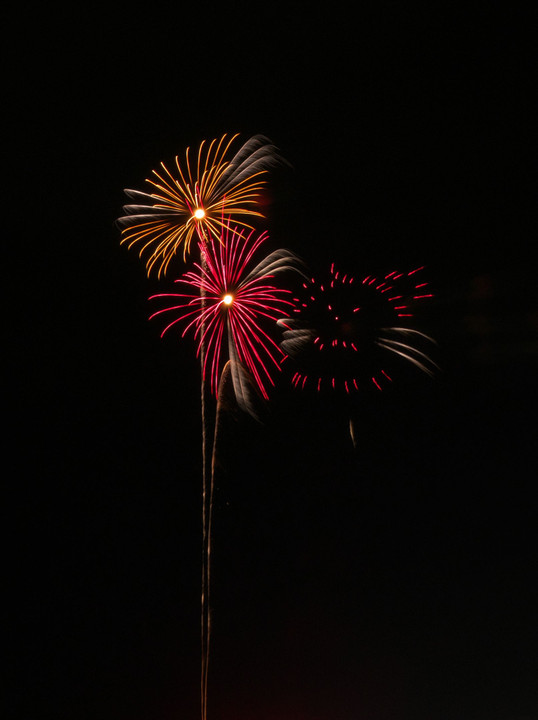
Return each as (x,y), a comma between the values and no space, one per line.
(191,200)
(345,332)
(229,303)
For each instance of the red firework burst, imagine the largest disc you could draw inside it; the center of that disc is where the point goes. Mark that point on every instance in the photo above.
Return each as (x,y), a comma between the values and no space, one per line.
(233,303)
(346,332)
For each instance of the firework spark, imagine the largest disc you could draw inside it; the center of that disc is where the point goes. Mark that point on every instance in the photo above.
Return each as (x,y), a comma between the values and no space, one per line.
(345,332)
(192,199)
(231,301)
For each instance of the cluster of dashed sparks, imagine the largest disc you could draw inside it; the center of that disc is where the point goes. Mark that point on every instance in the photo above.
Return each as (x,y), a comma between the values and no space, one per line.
(344,333)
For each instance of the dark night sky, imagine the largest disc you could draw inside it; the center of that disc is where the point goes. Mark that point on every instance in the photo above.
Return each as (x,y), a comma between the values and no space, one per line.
(394,582)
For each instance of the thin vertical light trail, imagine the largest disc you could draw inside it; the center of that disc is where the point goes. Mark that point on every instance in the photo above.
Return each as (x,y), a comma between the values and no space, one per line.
(208,536)
(204,619)
(197,200)
(228,301)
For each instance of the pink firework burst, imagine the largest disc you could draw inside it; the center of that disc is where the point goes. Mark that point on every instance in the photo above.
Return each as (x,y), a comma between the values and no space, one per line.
(346,332)
(230,303)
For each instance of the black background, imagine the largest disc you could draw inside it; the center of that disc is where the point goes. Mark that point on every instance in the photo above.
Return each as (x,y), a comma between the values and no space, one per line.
(397,580)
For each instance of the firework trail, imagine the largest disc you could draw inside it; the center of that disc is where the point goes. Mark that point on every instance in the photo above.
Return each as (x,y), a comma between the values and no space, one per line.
(230,304)
(190,202)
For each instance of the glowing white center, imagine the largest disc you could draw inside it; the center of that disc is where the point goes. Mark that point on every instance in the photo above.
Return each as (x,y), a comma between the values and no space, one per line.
(199,213)
(228,299)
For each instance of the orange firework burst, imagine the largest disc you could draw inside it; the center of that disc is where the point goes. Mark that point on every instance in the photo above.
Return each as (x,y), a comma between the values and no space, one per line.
(193,199)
